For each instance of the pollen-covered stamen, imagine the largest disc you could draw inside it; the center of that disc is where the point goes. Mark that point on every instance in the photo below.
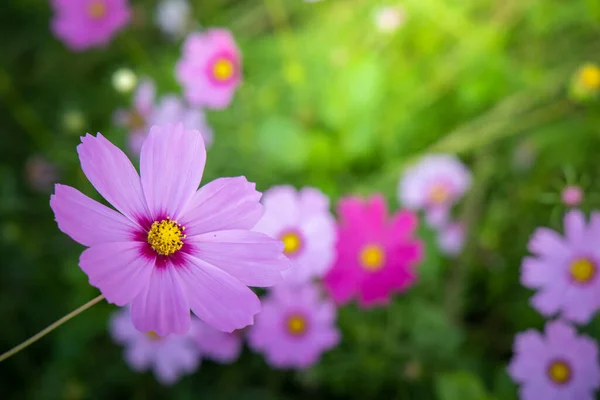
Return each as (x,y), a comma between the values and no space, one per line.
(559,371)
(96,9)
(166,236)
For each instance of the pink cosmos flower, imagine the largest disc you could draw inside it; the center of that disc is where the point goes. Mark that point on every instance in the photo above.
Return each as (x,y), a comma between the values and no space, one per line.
(295,327)
(210,68)
(216,345)
(565,269)
(572,196)
(303,222)
(169,357)
(82,24)
(375,257)
(560,365)
(137,120)
(40,173)
(434,184)
(451,238)
(171,247)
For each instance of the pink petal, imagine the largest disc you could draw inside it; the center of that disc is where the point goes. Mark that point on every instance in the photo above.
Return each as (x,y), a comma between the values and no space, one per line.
(574,226)
(117,269)
(171,166)
(223,204)
(139,355)
(113,175)
(546,242)
(281,210)
(313,200)
(144,97)
(536,273)
(253,258)
(162,306)
(216,297)
(547,301)
(403,224)
(88,222)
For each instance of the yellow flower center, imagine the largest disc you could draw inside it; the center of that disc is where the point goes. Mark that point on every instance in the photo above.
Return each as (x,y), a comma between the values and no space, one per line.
(136,120)
(153,335)
(589,76)
(438,194)
(223,69)
(296,325)
(372,257)
(166,236)
(96,9)
(291,243)
(559,372)
(582,270)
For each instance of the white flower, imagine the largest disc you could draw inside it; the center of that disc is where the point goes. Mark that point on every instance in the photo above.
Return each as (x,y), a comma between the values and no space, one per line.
(173,17)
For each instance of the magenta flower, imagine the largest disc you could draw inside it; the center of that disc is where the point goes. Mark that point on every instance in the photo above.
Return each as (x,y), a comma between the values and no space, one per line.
(560,365)
(216,345)
(173,247)
(294,328)
(82,24)
(169,357)
(303,222)
(565,270)
(434,184)
(375,257)
(451,238)
(210,68)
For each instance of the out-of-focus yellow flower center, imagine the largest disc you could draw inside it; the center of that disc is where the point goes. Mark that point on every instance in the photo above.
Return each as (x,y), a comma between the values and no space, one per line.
(296,325)
(438,194)
(166,236)
(291,243)
(559,372)
(589,76)
(582,270)
(96,9)
(223,69)
(136,120)
(153,335)
(372,257)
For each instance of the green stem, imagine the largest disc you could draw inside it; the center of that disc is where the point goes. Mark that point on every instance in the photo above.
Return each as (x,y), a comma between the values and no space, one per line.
(50,328)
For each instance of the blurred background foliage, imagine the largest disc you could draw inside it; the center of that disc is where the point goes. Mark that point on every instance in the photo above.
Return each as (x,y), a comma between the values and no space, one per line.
(327,101)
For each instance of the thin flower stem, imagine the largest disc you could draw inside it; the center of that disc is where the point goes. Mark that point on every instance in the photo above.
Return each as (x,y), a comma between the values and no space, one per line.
(50,328)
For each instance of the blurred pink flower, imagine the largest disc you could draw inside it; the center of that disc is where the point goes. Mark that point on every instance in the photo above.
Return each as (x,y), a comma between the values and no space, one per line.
(560,365)
(82,24)
(216,345)
(210,68)
(375,257)
(137,120)
(572,196)
(388,19)
(170,357)
(565,269)
(173,247)
(40,173)
(451,238)
(303,222)
(434,184)
(295,327)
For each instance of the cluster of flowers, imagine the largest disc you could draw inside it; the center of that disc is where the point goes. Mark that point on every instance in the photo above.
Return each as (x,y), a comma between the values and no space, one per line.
(564,271)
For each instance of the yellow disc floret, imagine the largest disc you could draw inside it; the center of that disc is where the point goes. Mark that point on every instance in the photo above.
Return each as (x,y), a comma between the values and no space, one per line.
(589,76)
(291,243)
(166,236)
(296,325)
(223,69)
(582,270)
(559,372)
(372,257)
(96,9)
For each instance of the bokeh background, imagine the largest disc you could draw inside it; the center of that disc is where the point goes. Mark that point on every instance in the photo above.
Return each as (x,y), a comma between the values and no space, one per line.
(330,100)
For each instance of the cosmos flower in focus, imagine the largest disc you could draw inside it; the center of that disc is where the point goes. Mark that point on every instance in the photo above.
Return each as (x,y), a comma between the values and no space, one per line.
(572,196)
(434,184)
(375,256)
(216,345)
(564,270)
(585,83)
(83,24)
(169,357)
(210,68)
(295,327)
(451,238)
(303,222)
(40,173)
(173,17)
(557,365)
(171,247)
(388,19)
